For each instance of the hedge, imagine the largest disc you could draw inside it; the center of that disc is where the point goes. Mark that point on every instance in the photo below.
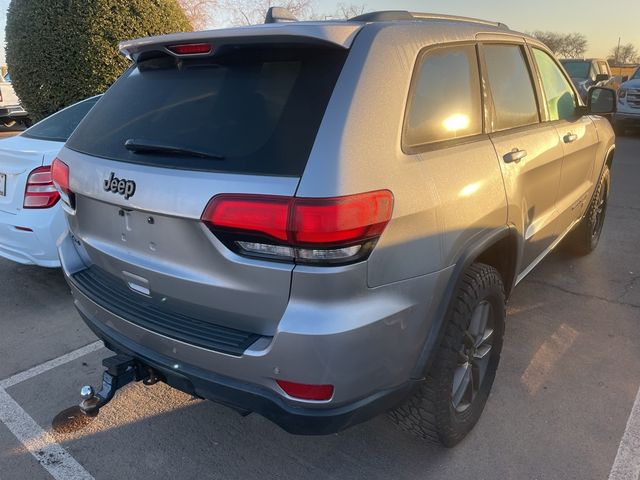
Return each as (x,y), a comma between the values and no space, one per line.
(61,51)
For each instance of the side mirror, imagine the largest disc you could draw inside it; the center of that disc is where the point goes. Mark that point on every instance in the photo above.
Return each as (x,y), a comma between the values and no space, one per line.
(602,77)
(625,78)
(601,101)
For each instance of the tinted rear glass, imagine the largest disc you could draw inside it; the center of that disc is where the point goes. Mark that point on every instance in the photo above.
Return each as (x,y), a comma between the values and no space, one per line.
(59,126)
(434,116)
(514,98)
(577,68)
(257,107)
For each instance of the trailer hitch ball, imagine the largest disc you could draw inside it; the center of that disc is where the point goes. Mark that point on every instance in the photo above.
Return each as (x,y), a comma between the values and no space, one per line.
(120,370)
(87,392)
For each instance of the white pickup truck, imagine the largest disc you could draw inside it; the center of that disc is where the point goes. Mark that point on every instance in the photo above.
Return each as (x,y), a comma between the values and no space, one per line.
(11,112)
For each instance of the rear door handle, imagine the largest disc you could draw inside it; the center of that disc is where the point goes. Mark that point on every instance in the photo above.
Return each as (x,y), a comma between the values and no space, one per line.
(514,156)
(570,138)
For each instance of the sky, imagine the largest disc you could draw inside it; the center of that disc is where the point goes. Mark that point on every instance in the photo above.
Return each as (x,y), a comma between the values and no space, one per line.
(602,26)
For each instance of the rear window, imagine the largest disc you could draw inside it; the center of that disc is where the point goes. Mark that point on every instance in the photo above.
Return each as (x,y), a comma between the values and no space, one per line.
(249,109)
(577,68)
(59,126)
(434,116)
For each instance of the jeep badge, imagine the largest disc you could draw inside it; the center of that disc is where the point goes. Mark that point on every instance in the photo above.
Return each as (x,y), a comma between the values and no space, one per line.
(113,184)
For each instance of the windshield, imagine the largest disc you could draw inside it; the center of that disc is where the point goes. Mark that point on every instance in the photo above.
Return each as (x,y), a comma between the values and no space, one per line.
(59,126)
(251,109)
(636,76)
(577,68)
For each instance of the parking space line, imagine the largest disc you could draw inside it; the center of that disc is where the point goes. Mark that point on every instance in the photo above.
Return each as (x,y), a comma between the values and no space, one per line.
(51,456)
(51,364)
(627,463)
(38,442)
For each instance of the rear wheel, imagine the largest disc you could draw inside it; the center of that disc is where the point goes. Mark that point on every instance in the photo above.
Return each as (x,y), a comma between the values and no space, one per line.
(450,401)
(584,239)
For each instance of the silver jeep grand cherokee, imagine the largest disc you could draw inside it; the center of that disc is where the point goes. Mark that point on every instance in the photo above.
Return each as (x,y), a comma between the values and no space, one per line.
(320,222)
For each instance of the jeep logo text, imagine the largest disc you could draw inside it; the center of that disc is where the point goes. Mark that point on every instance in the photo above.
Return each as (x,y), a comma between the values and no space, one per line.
(120,186)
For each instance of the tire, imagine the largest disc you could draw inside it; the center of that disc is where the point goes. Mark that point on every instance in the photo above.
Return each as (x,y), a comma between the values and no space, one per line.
(438,411)
(585,237)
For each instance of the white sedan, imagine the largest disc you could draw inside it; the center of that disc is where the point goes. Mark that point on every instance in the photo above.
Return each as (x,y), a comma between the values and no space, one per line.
(31,219)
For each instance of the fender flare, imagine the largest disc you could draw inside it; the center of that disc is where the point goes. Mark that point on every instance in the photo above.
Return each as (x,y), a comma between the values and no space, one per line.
(437,329)
(610,152)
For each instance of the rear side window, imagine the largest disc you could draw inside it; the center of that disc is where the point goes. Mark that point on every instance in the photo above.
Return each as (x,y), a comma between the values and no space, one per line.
(59,126)
(249,109)
(559,96)
(514,99)
(446,101)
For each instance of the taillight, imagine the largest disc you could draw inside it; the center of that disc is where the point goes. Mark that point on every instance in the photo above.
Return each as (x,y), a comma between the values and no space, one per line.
(306,392)
(60,177)
(191,49)
(306,230)
(40,192)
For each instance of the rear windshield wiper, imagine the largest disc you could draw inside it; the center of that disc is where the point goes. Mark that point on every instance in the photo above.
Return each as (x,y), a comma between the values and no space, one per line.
(150,147)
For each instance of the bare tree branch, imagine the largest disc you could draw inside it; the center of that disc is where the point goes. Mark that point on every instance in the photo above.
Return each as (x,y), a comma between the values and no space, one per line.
(626,54)
(347,11)
(571,45)
(199,12)
(251,12)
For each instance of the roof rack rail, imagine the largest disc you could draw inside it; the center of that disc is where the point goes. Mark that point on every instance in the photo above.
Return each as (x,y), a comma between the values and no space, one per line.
(395,15)
(279,15)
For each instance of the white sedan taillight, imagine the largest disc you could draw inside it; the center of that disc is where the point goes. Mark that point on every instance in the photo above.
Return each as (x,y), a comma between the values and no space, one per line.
(40,191)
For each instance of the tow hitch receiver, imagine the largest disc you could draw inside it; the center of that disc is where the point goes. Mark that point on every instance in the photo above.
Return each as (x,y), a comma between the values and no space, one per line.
(121,370)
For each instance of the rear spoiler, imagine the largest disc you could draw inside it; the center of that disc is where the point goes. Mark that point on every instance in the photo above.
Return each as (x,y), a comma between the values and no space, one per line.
(340,34)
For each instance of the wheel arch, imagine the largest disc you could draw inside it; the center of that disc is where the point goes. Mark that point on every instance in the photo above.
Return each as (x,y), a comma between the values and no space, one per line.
(609,158)
(500,249)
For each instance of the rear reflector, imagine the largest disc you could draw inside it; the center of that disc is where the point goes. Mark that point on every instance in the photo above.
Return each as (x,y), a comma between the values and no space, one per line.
(40,192)
(306,392)
(309,230)
(191,49)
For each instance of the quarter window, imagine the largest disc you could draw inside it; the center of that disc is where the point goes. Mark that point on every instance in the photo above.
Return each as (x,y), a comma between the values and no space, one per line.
(514,99)
(559,96)
(446,102)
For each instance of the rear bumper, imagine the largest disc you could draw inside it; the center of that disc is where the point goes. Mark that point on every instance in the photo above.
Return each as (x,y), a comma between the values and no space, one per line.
(250,397)
(630,119)
(367,347)
(13,111)
(30,236)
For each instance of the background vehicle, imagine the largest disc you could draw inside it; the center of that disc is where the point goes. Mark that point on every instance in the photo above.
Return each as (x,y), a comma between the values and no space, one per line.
(628,115)
(314,251)
(589,72)
(11,112)
(31,219)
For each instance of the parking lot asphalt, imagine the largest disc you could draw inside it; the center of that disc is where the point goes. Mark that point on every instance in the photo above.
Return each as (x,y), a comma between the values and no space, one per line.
(560,407)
